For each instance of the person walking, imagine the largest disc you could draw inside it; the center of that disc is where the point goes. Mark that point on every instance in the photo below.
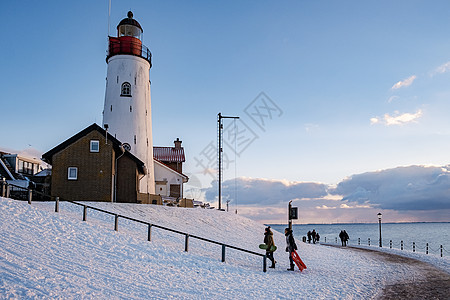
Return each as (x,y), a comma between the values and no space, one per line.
(341,236)
(291,246)
(346,238)
(309,236)
(313,233)
(268,240)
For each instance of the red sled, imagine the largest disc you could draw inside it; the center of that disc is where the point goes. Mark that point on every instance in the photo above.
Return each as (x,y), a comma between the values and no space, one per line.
(298,261)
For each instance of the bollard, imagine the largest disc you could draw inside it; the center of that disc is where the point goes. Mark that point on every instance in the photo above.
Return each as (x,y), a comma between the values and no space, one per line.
(369,241)
(390,244)
(359,241)
(149,237)
(427,249)
(84,212)
(336,240)
(116,222)
(186,243)
(325,239)
(264,263)
(441,250)
(401,245)
(414,247)
(30,195)
(223,253)
(57,204)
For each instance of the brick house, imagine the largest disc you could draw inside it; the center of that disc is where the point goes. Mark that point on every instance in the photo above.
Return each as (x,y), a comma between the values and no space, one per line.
(92,165)
(169,177)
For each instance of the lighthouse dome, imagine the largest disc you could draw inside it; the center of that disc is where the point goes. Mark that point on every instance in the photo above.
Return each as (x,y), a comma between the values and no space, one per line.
(129,27)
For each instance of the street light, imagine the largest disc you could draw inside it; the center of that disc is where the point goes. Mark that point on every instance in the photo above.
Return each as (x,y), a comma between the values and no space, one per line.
(379,223)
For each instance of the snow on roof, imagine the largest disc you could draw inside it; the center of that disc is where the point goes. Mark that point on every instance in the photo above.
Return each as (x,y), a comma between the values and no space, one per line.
(169,154)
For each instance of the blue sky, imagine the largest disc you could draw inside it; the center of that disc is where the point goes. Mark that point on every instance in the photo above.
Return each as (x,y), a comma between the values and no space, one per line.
(349,88)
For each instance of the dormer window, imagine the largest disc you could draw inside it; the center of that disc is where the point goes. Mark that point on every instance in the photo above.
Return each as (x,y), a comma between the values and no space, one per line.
(125,91)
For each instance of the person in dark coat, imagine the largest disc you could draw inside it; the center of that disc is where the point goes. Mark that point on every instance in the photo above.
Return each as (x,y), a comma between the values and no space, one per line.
(346,238)
(309,236)
(291,246)
(268,240)
(341,236)
(313,233)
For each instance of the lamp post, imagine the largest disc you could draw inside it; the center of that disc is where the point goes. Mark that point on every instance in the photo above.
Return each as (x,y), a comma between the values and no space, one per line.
(379,225)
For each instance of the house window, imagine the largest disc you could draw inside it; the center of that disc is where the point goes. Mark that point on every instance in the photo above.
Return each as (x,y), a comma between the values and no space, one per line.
(126,89)
(72,173)
(95,146)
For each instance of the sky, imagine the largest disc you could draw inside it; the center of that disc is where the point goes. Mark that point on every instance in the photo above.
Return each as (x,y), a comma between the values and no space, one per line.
(332,97)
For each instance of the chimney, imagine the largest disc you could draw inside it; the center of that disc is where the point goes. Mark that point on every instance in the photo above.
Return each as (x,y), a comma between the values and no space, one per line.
(177,144)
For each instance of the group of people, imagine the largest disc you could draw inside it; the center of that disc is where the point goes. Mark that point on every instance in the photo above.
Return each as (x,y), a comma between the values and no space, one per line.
(343,235)
(290,246)
(314,236)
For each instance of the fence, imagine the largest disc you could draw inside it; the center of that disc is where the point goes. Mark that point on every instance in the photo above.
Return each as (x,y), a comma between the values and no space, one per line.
(427,249)
(6,192)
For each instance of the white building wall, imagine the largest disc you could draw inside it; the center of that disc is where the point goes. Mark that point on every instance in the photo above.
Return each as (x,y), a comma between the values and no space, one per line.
(129,119)
(165,173)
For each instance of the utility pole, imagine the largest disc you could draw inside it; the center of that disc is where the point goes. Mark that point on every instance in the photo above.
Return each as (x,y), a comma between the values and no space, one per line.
(220,151)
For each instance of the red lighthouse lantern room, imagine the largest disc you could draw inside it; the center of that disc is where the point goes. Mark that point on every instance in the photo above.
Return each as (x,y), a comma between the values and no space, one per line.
(128,40)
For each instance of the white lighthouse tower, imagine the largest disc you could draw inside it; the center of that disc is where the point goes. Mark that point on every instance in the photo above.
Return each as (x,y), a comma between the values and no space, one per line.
(127,113)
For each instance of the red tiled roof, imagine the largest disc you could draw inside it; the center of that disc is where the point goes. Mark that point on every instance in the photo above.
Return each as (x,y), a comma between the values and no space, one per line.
(169,154)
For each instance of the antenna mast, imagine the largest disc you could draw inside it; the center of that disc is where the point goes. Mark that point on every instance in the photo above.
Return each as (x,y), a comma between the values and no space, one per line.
(220,151)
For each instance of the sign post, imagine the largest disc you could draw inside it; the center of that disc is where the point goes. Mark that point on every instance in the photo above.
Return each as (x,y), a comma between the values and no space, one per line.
(293,214)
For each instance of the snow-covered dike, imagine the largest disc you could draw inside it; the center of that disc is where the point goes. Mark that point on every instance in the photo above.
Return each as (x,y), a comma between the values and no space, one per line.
(44,254)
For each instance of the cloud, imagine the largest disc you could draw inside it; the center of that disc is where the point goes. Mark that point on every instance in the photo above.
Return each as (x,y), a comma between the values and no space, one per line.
(402,188)
(397,118)
(444,68)
(404,83)
(408,194)
(255,191)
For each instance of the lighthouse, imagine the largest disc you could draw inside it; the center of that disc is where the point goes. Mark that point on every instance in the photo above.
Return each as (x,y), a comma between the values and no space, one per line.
(127,113)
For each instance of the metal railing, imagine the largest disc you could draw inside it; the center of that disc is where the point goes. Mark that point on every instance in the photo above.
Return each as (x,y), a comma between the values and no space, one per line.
(5,193)
(402,246)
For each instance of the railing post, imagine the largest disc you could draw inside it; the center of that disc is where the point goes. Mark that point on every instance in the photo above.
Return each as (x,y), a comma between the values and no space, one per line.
(359,241)
(335,240)
(223,253)
(84,212)
(57,204)
(441,250)
(265,263)
(369,241)
(186,243)
(3,187)
(30,195)
(149,236)
(8,190)
(116,222)
(401,245)
(325,239)
(390,244)
(414,247)
(427,249)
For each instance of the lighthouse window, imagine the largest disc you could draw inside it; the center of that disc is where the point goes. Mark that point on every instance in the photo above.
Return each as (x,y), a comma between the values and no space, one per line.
(126,89)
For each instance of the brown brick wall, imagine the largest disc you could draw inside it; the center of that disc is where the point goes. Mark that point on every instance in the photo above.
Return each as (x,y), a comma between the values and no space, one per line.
(95,170)
(127,180)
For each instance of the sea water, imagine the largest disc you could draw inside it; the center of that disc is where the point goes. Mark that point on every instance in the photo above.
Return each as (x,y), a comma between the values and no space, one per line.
(435,234)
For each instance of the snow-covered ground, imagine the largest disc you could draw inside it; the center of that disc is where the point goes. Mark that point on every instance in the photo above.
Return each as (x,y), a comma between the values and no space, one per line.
(44,254)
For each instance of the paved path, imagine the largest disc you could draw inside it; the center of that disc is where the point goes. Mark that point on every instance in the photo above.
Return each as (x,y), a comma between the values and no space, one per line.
(435,283)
